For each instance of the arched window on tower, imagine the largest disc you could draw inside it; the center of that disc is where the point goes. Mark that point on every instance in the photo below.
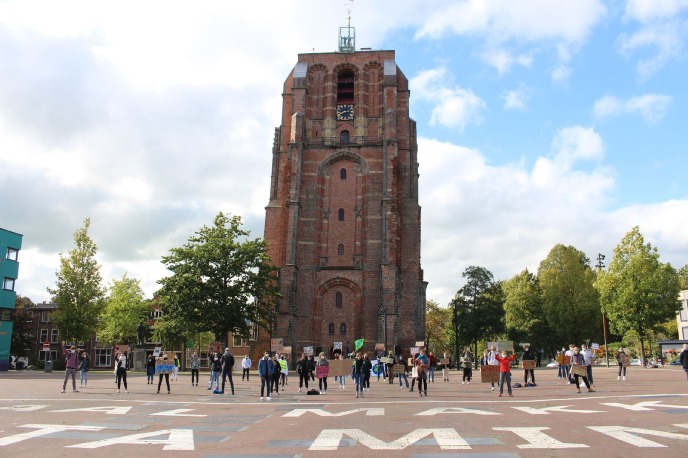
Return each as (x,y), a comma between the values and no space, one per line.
(338,300)
(342,174)
(330,329)
(344,137)
(341,214)
(345,87)
(342,329)
(340,249)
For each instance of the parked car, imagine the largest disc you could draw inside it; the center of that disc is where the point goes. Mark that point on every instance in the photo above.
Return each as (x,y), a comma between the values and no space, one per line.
(676,362)
(636,362)
(553,363)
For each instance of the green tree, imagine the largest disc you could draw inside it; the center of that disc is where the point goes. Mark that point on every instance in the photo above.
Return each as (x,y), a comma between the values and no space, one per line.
(125,309)
(22,339)
(638,292)
(478,308)
(683,277)
(217,282)
(437,327)
(524,312)
(78,292)
(570,301)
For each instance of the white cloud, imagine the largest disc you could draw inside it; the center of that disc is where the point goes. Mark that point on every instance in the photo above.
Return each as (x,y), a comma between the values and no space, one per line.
(515,100)
(651,107)
(650,10)
(454,106)
(503,60)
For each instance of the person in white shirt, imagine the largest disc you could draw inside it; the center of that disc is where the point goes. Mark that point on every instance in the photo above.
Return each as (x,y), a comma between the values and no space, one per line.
(246,367)
(569,353)
(587,361)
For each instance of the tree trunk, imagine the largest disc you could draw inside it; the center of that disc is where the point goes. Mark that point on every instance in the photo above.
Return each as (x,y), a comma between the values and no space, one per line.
(642,349)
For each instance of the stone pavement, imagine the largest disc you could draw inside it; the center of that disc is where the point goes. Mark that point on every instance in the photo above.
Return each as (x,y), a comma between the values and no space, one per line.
(645,416)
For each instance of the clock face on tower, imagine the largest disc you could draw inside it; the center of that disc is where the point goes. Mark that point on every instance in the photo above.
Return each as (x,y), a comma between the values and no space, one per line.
(345,112)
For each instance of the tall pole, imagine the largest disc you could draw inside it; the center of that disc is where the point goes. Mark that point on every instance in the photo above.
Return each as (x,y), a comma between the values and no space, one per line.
(600,265)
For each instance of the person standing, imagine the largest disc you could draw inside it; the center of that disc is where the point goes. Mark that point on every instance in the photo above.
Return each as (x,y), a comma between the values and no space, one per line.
(302,368)
(195,367)
(619,359)
(121,363)
(215,369)
(84,366)
(367,368)
(71,363)
(422,365)
(433,364)
(684,359)
(402,374)
(467,363)
(283,370)
(311,368)
(505,372)
(274,378)
(227,368)
(561,372)
(390,369)
(569,353)
(528,356)
(492,361)
(342,378)
(445,367)
(577,359)
(322,377)
(357,372)
(150,369)
(587,362)
(266,369)
(175,369)
(245,368)
(380,366)
(163,369)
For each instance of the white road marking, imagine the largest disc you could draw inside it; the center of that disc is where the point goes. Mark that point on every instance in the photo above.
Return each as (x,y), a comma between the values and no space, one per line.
(110,410)
(628,435)
(643,406)
(178,413)
(24,408)
(440,410)
(324,413)
(44,430)
(547,410)
(447,439)
(178,439)
(537,439)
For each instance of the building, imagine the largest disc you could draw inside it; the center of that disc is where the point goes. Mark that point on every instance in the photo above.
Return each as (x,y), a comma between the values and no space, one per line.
(343,219)
(682,316)
(10,245)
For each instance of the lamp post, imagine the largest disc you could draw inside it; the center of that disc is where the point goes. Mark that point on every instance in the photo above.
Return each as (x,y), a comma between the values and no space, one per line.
(600,265)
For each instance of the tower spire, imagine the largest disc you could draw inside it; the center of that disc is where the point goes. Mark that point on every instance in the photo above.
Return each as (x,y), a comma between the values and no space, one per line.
(347,35)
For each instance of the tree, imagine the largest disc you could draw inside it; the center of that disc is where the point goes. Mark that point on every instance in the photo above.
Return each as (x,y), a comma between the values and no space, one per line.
(683,277)
(217,282)
(78,293)
(570,301)
(638,292)
(124,311)
(524,312)
(478,310)
(437,326)
(22,339)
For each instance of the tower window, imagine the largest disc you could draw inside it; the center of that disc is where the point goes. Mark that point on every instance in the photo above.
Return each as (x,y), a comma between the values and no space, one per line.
(342,329)
(330,329)
(342,174)
(345,87)
(344,137)
(341,214)
(340,249)
(338,300)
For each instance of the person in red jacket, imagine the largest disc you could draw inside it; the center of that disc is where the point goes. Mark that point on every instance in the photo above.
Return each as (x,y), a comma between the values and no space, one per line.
(505,372)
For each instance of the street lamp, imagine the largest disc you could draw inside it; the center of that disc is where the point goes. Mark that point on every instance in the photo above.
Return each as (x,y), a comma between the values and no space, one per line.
(600,265)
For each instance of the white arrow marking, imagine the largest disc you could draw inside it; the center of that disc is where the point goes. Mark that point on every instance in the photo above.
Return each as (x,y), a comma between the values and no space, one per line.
(547,410)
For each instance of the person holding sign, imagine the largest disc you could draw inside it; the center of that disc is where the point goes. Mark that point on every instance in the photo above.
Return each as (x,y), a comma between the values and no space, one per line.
(422,365)
(163,368)
(467,364)
(578,369)
(357,373)
(587,361)
(322,369)
(622,360)
(445,363)
(505,372)
(528,359)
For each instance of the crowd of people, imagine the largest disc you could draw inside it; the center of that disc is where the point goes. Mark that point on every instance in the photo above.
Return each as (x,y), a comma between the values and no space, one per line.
(574,365)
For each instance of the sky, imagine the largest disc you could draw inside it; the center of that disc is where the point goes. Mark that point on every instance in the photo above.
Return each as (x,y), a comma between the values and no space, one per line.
(540,122)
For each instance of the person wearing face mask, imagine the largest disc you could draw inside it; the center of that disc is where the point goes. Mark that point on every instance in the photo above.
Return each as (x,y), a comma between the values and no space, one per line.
(121,362)
(578,360)
(72,361)
(163,368)
(587,361)
(150,369)
(357,374)
(266,369)
(215,368)
(504,372)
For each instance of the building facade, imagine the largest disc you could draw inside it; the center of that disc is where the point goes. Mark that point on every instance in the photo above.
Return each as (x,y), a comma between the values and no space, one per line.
(682,316)
(10,245)
(343,219)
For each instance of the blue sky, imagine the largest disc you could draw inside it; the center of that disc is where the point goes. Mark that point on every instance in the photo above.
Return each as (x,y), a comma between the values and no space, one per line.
(539,122)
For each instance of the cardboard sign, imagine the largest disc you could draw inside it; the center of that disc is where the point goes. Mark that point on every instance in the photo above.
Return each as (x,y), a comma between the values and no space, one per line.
(164,367)
(524,344)
(563,360)
(340,367)
(380,346)
(215,347)
(322,371)
(308,350)
(398,369)
(489,374)
(156,352)
(420,343)
(415,350)
(502,345)
(527,365)
(444,361)
(625,360)
(277,345)
(337,346)
(387,360)
(595,346)
(580,370)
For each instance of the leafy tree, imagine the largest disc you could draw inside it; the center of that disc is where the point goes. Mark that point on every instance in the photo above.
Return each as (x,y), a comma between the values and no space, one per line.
(217,281)
(638,292)
(78,293)
(524,312)
(570,301)
(437,326)
(21,327)
(683,277)
(124,311)
(478,310)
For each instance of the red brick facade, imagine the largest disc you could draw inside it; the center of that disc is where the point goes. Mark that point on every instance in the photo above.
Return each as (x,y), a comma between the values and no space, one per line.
(343,221)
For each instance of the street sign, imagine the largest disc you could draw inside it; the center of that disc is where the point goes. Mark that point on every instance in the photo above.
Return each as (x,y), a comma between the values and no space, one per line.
(190,344)
(46,345)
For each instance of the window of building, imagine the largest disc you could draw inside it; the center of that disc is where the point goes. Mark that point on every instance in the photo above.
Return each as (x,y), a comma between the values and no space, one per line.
(340,249)
(236,340)
(44,335)
(330,329)
(6,315)
(54,334)
(684,331)
(342,329)
(345,87)
(342,174)
(45,317)
(338,300)
(341,214)
(47,355)
(155,314)
(8,284)
(29,317)
(12,254)
(344,139)
(683,314)
(103,357)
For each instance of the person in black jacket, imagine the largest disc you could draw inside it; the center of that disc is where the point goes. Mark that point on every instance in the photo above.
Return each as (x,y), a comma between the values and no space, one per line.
(311,368)
(227,368)
(528,356)
(303,369)
(684,359)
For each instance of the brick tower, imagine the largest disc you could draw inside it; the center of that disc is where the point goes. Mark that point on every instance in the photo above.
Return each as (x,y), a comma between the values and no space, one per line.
(343,221)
